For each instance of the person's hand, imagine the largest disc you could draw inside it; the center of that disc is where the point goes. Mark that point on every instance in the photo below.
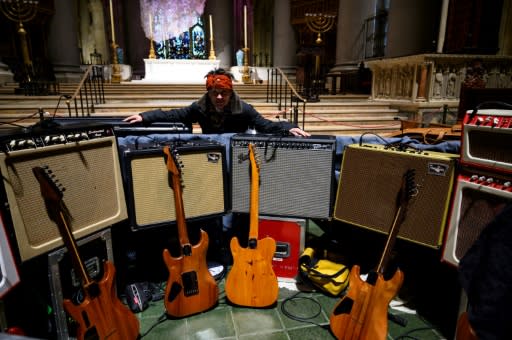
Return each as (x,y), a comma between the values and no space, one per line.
(133,119)
(299,132)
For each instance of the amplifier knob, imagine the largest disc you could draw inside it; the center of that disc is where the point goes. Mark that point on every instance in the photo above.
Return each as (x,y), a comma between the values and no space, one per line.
(481,178)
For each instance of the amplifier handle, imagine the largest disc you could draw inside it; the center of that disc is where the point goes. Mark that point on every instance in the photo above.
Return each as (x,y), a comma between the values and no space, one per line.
(492,105)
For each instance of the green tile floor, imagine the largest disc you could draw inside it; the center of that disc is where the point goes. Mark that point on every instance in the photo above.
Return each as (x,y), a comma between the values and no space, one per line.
(230,322)
(224,321)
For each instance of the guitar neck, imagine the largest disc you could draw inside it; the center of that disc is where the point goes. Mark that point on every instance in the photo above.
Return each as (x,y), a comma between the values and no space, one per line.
(180,211)
(72,247)
(390,242)
(407,189)
(254,202)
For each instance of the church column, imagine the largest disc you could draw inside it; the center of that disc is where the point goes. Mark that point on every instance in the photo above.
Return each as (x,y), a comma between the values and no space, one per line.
(284,47)
(63,47)
(350,33)
(222,14)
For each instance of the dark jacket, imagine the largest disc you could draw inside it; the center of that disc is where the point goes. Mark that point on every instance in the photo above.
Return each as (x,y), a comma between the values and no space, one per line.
(485,273)
(238,116)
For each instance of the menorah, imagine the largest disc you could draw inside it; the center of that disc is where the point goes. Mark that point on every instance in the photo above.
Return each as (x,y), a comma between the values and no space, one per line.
(21,11)
(319,23)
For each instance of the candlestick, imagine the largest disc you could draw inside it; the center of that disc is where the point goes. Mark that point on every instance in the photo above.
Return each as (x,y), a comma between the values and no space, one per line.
(150,27)
(211,27)
(112,23)
(245,26)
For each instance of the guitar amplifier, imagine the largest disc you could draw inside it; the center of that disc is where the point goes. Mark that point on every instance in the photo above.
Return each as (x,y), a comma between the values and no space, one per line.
(487,136)
(9,276)
(87,160)
(65,284)
(479,197)
(296,175)
(289,235)
(150,198)
(370,180)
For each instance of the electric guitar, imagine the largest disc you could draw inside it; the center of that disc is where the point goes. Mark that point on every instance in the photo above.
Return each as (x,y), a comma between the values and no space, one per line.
(251,282)
(190,287)
(363,312)
(101,315)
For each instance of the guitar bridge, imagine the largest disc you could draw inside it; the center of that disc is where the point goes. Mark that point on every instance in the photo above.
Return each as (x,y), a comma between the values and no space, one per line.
(190,286)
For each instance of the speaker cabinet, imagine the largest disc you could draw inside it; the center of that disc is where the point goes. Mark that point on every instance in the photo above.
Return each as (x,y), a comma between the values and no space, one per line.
(487,136)
(370,180)
(85,160)
(296,175)
(150,198)
(479,197)
(9,276)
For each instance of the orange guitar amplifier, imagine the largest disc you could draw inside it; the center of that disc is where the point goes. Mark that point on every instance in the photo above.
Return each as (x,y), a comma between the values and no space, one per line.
(289,235)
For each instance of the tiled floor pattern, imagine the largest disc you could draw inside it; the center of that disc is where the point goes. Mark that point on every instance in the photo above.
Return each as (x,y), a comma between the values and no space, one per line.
(231,322)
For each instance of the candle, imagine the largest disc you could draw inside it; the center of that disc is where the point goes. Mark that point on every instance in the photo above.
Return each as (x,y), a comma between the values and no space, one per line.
(150,27)
(112,23)
(245,26)
(211,28)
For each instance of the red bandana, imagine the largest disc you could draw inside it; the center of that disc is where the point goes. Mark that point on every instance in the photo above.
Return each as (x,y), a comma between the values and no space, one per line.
(218,81)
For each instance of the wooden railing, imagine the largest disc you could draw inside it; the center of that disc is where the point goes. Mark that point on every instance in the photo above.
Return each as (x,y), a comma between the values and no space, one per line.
(90,91)
(281,91)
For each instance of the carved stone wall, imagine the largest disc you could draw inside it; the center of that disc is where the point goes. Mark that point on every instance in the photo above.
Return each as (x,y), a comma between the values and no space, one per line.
(435,77)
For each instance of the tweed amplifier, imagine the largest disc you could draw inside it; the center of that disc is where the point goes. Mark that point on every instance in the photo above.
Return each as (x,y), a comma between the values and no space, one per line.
(479,197)
(487,136)
(85,159)
(150,198)
(296,175)
(370,180)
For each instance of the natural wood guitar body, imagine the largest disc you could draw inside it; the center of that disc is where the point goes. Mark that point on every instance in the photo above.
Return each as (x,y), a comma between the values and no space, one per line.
(251,281)
(363,312)
(190,287)
(104,315)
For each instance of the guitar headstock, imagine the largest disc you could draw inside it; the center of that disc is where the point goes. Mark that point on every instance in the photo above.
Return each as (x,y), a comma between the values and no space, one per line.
(254,158)
(51,190)
(408,188)
(173,162)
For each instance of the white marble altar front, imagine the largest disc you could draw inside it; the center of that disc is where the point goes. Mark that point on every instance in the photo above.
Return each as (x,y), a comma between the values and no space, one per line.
(178,71)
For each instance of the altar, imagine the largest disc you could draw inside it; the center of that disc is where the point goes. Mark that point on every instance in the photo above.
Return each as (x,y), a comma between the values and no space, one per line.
(178,71)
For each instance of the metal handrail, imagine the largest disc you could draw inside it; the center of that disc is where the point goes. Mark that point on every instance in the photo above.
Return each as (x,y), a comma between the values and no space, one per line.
(90,91)
(281,91)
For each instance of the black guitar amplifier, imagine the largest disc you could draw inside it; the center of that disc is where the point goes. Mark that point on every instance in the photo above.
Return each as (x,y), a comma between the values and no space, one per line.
(296,175)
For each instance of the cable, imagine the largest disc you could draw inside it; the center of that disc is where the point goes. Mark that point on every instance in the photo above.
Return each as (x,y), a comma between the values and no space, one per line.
(161,319)
(299,318)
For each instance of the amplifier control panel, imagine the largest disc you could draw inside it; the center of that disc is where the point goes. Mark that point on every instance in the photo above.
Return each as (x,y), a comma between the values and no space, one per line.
(33,139)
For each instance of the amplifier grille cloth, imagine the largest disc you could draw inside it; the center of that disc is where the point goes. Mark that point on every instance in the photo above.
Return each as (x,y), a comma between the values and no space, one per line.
(297,183)
(490,145)
(369,183)
(89,172)
(202,191)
